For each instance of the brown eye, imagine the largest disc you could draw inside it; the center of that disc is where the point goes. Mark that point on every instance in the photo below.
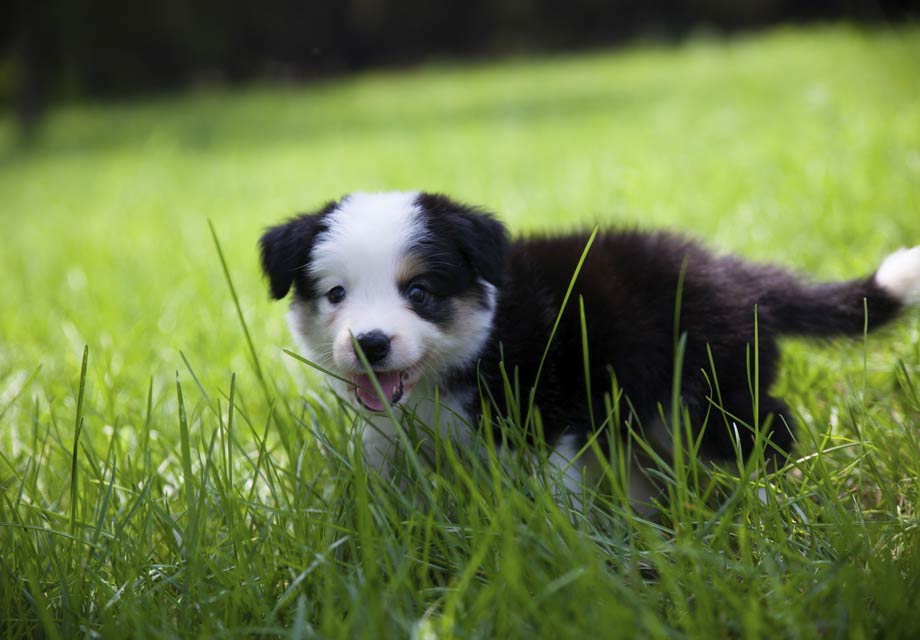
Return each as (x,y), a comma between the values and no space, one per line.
(335,295)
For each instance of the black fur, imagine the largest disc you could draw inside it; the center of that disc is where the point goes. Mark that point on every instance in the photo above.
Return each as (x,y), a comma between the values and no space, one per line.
(629,283)
(462,245)
(284,249)
(464,236)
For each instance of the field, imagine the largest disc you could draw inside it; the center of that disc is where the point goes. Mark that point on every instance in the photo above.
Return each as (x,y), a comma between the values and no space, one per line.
(196,481)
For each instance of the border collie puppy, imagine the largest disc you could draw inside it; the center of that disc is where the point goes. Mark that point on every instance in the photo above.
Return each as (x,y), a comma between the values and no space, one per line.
(438,300)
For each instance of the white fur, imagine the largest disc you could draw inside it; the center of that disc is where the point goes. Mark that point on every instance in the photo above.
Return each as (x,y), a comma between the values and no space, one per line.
(564,459)
(364,250)
(899,275)
(443,417)
(361,251)
(578,472)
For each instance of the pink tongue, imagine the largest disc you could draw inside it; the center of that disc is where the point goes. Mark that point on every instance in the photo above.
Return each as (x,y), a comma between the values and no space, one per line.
(364,388)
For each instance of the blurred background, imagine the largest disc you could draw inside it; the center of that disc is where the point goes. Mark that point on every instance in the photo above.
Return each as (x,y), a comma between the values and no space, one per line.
(64,49)
(135,134)
(782,130)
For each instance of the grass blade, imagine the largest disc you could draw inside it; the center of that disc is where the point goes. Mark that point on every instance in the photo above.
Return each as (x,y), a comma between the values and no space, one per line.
(78,428)
(253,354)
(552,333)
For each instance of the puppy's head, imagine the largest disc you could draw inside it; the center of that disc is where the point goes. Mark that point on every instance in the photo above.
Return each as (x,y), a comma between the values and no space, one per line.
(412,278)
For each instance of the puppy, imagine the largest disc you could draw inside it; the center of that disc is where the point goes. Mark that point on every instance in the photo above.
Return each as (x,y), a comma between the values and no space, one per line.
(440,302)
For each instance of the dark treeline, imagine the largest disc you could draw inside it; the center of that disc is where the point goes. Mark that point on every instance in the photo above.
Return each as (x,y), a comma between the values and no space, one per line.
(67,48)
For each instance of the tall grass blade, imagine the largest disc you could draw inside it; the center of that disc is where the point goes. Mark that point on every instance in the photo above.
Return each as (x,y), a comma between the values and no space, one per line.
(586,360)
(78,428)
(254,355)
(190,535)
(552,333)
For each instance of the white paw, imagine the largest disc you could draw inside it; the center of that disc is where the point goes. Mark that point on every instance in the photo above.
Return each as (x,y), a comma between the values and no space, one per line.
(899,275)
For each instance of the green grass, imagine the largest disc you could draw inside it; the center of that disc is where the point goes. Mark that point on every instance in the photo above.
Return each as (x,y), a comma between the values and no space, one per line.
(187,486)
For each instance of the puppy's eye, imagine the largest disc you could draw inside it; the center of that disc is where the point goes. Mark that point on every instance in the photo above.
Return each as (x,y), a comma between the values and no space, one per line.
(417,294)
(335,295)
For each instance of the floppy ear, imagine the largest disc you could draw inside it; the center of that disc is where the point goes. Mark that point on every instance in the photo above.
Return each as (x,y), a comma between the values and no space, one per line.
(286,248)
(483,240)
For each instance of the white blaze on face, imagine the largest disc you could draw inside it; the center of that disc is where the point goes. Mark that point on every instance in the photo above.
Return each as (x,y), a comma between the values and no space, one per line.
(365,249)
(362,251)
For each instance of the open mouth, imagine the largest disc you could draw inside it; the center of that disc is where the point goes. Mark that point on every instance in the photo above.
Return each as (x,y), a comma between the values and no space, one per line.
(394,385)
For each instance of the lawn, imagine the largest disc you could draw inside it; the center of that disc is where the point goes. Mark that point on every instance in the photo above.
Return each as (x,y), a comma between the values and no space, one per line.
(196,481)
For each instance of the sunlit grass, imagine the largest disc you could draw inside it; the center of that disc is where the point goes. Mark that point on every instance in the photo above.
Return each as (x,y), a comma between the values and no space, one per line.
(218,491)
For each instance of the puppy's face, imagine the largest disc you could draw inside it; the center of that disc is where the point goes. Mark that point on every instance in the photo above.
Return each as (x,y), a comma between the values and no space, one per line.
(410,278)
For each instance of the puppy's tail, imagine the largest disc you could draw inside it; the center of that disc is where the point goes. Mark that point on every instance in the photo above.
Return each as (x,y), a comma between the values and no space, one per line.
(843,308)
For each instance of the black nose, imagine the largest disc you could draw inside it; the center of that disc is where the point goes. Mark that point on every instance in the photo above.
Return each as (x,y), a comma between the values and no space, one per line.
(375,345)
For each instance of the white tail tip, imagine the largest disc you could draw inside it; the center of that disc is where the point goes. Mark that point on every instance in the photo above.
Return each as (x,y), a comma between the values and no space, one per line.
(899,275)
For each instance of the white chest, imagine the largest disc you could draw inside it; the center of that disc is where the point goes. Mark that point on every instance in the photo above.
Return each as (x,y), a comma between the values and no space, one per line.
(422,422)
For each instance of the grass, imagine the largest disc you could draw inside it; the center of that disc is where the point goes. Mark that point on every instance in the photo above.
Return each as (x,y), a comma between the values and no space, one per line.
(177,481)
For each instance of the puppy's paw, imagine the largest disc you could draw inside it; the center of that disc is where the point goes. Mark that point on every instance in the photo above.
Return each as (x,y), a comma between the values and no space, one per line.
(899,275)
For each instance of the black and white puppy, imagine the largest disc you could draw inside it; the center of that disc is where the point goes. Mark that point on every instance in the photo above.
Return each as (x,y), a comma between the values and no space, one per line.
(437,297)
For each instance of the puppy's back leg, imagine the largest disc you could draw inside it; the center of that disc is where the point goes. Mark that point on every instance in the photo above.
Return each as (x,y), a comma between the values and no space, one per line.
(730,433)
(781,430)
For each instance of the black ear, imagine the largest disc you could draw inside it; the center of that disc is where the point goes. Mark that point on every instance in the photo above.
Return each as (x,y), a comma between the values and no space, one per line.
(483,240)
(286,248)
